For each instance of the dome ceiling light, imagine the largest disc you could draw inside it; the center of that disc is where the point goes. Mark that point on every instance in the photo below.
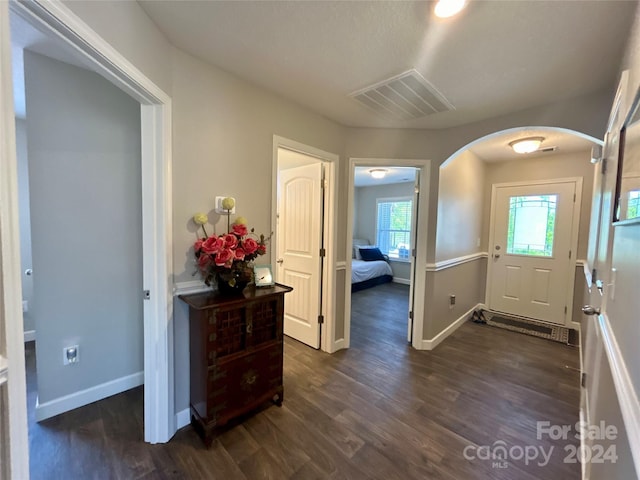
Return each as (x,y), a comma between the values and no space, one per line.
(526,145)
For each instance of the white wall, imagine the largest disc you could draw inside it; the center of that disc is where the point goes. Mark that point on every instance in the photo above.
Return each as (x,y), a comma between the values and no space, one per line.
(83,137)
(365,219)
(25,220)
(460,202)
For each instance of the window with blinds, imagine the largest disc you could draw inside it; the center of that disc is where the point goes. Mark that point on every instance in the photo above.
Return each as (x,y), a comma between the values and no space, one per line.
(393,227)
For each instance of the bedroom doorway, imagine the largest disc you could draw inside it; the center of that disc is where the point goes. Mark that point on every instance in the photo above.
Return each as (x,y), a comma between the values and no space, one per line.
(386,246)
(303,239)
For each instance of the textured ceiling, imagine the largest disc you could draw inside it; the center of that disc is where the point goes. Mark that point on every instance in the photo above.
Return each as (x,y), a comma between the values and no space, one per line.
(492,59)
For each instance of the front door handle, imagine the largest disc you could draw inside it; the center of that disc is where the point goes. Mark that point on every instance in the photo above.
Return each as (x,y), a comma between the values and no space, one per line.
(280,261)
(590,310)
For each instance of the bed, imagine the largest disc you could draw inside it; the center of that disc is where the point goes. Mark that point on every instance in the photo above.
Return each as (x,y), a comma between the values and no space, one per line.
(366,274)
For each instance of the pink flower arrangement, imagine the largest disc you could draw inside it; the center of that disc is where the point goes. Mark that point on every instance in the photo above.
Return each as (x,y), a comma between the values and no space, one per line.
(228,257)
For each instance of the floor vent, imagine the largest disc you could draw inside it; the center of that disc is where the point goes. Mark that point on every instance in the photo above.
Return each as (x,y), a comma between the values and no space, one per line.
(532,327)
(406,96)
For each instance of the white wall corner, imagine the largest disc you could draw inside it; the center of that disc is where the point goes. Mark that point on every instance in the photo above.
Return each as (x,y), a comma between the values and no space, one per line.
(85,397)
(439,338)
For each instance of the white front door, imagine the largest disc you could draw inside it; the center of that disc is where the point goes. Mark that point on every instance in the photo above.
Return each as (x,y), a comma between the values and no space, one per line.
(299,240)
(531,256)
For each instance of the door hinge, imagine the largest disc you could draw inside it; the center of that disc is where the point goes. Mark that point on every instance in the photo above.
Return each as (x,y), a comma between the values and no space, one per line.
(413,252)
(574,198)
(324,183)
(411,315)
(583,380)
(593,275)
(323,252)
(320,319)
(569,253)
(604,166)
(565,309)
(146,294)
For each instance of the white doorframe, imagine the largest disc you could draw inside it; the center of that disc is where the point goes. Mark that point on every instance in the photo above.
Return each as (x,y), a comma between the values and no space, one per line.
(574,237)
(419,285)
(10,275)
(56,20)
(330,228)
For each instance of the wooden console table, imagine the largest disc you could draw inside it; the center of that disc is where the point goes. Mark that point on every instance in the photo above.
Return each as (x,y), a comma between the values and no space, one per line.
(236,354)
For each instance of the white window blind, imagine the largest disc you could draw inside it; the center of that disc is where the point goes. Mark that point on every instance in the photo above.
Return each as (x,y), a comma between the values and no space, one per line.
(393,227)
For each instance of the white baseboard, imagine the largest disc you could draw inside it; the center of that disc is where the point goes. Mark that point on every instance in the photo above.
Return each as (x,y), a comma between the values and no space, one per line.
(183,418)
(403,281)
(29,335)
(84,397)
(439,338)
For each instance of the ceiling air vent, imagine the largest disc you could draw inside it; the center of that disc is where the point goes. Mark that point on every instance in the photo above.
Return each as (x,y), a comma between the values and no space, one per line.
(405,96)
(547,150)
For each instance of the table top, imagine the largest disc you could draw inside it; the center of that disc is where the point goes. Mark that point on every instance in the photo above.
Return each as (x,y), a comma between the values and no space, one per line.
(212,298)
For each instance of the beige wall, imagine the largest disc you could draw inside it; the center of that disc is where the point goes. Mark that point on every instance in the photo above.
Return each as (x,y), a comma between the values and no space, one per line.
(460,200)
(223,130)
(545,168)
(466,282)
(126,26)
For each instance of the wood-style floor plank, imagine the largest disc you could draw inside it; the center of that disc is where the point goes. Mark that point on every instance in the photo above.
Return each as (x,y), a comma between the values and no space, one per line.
(379,410)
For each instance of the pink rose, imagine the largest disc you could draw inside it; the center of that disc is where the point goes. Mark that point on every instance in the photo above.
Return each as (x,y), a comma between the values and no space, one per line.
(239,230)
(198,245)
(213,244)
(224,258)
(262,249)
(230,241)
(239,253)
(204,261)
(249,245)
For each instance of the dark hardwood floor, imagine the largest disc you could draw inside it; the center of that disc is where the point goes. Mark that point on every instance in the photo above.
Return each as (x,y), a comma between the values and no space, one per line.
(379,410)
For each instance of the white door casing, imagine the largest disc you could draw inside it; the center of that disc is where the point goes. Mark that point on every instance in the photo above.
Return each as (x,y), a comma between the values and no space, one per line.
(299,239)
(14,451)
(538,287)
(414,238)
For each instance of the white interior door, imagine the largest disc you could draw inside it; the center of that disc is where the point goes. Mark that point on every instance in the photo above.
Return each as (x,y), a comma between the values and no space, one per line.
(531,254)
(414,237)
(299,239)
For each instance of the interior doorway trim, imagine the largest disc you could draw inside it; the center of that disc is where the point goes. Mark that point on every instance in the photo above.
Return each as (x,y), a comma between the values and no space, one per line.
(327,343)
(419,287)
(56,20)
(574,238)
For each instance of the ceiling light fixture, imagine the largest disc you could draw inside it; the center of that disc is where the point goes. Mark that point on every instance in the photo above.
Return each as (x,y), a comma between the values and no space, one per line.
(448,8)
(526,145)
(378,173)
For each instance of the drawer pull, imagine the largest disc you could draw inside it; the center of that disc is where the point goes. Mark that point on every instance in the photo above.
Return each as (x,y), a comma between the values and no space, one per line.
(249,327)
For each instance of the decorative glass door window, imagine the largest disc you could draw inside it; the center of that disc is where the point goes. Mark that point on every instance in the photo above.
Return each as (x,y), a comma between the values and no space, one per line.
(532,222)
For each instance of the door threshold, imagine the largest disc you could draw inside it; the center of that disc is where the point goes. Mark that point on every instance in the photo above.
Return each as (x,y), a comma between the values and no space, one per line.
(528,326)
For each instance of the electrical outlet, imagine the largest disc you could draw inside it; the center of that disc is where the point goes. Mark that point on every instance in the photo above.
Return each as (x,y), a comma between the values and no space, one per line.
(71,355)
(452,301)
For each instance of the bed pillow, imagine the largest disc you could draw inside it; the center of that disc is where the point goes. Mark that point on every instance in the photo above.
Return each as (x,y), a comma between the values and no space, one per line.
(357,243)
(370,254)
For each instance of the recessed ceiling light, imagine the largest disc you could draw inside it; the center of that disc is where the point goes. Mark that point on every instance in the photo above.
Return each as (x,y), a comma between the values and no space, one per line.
(526,145)
(378,173)
(448,8)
